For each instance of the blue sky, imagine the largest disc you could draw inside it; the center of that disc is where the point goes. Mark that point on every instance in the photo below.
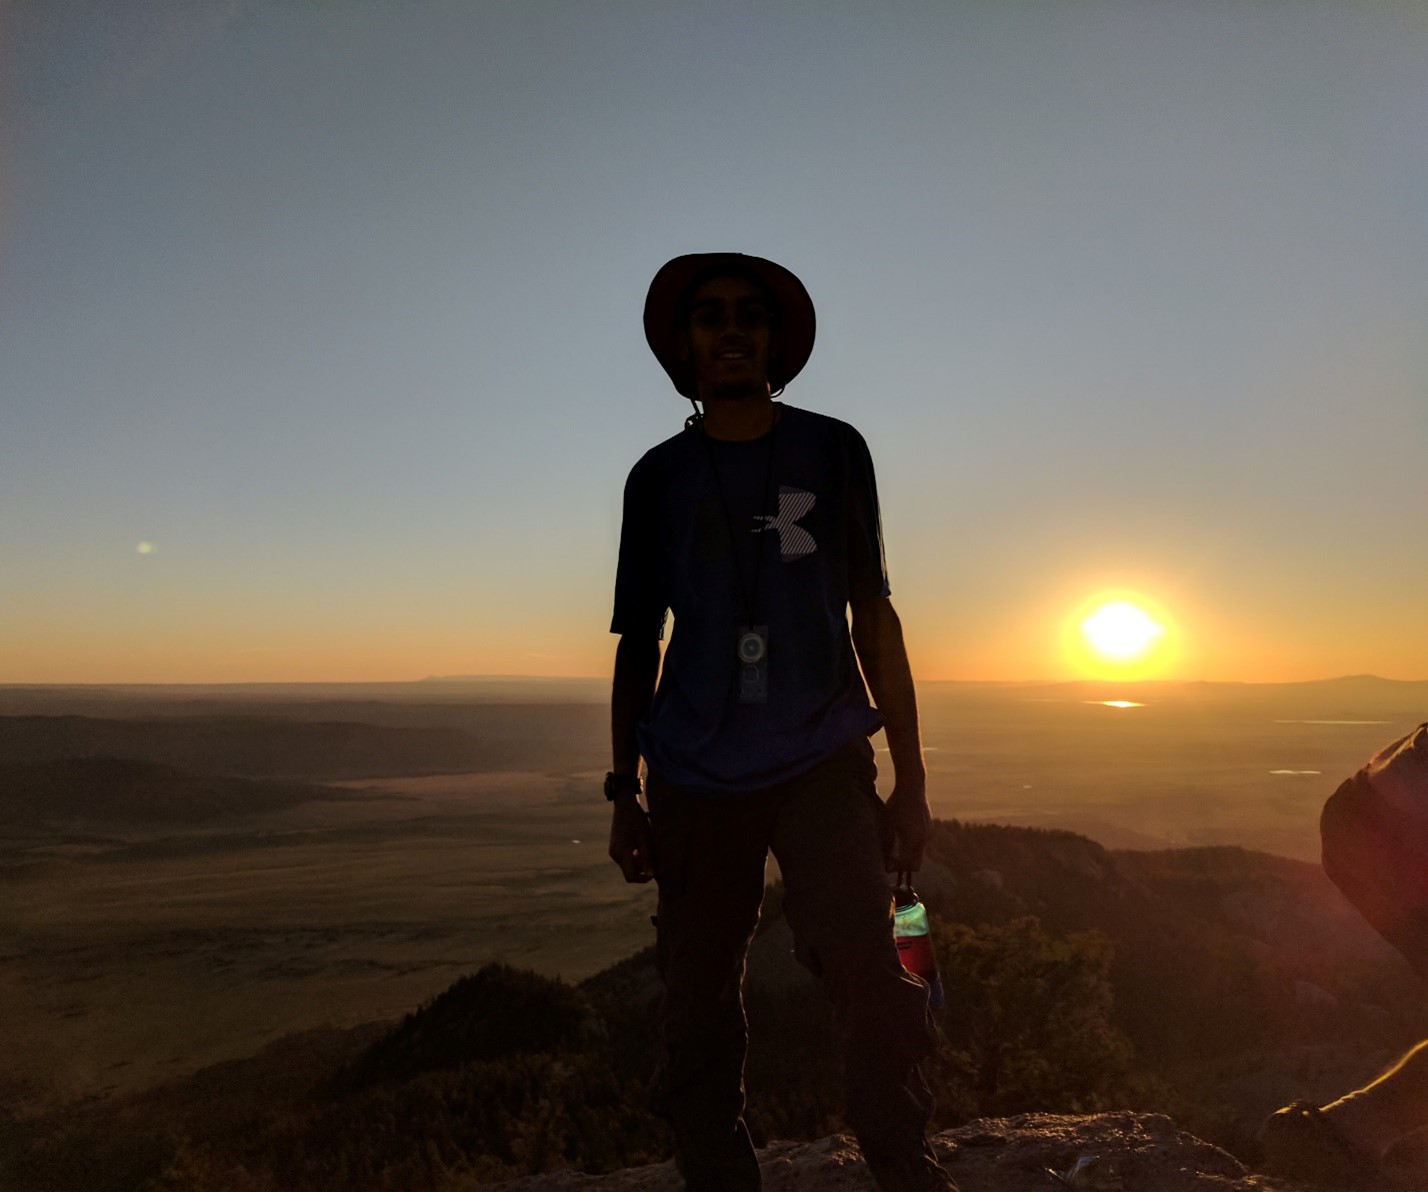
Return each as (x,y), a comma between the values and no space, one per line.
(336,306)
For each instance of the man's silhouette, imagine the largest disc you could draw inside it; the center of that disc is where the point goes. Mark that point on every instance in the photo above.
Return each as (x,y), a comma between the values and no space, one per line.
(758,527)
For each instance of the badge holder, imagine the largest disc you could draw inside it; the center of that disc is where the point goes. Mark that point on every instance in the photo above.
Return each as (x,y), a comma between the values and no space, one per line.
(753,652)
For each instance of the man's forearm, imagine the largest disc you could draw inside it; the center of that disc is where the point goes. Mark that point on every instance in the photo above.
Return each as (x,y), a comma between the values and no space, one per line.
(877,637)
(636,670)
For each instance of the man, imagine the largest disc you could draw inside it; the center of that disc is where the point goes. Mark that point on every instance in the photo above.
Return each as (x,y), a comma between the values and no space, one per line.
(1344,1144)
(1374,830)
(758,527)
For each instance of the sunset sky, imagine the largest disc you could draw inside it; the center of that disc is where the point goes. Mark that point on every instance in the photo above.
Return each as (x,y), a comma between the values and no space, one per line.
(320,345)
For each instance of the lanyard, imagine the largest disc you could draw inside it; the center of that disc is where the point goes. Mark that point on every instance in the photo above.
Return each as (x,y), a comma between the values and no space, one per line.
(749,598)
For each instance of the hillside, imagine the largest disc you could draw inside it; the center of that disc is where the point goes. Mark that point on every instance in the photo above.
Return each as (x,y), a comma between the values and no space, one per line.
(126,791)
(1209,986)
(422,741)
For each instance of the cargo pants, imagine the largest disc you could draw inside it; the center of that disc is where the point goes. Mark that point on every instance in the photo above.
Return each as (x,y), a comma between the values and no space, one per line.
(826,829)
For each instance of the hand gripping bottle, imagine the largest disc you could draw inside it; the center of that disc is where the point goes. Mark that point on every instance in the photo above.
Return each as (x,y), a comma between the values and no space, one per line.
(914,939)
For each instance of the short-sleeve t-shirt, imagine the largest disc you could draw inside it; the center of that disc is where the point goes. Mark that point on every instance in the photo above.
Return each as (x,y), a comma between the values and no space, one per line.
(781,532)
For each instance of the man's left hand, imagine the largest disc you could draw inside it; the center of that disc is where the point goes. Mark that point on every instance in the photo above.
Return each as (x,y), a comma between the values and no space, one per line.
(910,821)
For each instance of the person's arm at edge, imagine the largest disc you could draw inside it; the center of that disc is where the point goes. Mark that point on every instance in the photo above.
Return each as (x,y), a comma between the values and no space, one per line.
(882,653)
(636,671)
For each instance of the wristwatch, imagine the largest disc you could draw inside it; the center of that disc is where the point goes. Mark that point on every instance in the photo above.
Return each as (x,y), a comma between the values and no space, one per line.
(619,784)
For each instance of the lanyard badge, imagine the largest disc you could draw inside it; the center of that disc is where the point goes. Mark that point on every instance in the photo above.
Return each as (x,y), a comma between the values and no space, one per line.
(753,651)
(751,641)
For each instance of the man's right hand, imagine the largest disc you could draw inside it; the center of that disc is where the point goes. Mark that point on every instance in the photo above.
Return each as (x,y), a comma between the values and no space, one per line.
(631,844)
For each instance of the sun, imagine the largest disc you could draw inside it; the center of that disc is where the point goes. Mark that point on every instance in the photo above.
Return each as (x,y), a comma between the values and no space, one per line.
(1121,631)
(1120,635)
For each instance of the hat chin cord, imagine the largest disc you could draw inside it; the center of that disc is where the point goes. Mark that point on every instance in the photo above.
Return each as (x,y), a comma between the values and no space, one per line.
(698,415)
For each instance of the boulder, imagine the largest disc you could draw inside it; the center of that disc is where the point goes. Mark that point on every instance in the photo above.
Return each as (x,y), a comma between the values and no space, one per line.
(1114,1152)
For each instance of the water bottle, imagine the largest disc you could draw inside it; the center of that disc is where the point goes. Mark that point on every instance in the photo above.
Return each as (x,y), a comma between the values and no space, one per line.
(914,939)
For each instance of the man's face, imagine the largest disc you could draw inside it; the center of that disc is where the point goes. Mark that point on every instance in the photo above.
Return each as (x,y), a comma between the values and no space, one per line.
(729,337)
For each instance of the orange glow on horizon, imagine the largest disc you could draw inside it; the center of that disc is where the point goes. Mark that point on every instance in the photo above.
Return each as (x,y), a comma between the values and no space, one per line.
(1034,638)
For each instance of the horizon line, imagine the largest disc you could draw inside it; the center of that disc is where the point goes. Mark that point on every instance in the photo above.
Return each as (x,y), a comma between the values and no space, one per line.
(8,684)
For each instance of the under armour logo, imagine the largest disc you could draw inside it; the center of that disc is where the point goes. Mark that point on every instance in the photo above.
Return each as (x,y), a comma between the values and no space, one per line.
(794,542)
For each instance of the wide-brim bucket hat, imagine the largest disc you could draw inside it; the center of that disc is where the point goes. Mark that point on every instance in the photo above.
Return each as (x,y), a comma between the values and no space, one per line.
(674,281)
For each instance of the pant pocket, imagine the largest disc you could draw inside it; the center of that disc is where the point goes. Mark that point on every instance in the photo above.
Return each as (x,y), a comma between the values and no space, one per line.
(671,823)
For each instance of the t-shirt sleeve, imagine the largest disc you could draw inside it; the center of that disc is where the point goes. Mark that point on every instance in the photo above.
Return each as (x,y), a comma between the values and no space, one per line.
(867,563)
(640,603)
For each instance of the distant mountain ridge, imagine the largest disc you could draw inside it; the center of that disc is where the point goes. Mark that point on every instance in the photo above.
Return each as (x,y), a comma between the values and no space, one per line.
(13,693)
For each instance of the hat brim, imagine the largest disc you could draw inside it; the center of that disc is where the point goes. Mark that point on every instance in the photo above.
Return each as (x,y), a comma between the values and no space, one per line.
(796,320)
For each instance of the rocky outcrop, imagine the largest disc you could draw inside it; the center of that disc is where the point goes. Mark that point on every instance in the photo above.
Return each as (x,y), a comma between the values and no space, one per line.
(1109,1152)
